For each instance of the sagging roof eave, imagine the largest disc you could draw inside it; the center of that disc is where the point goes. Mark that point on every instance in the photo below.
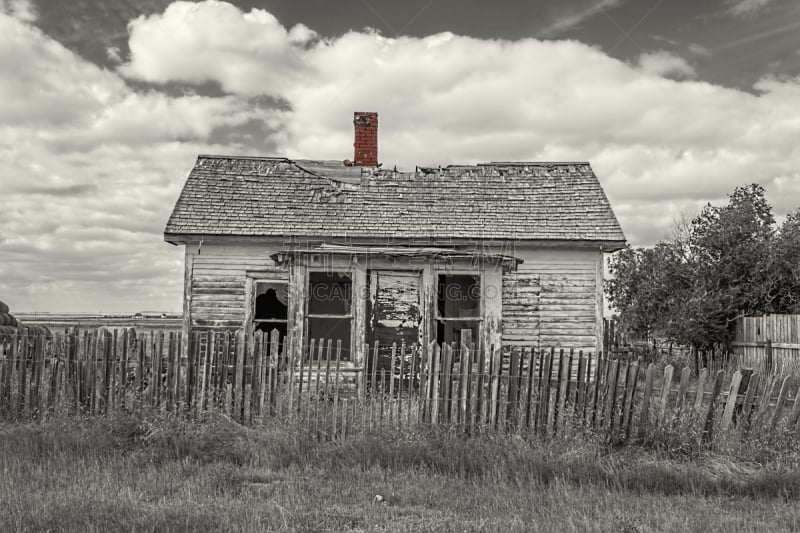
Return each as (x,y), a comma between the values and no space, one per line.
(607,245)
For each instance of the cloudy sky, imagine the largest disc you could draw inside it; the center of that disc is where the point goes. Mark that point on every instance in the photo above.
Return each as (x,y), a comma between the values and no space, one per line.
(104,106)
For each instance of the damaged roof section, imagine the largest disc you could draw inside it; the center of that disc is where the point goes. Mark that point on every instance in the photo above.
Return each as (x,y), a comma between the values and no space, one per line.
(430,253)
(280,197)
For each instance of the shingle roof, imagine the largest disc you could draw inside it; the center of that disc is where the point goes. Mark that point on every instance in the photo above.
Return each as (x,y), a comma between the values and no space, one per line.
(280,197)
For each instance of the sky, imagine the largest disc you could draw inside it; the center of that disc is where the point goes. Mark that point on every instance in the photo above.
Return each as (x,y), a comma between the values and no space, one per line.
(105,105)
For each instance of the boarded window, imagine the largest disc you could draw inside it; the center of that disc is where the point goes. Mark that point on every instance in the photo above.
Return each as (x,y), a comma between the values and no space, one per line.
(270,306)
(393,311)
(329,313)
(458,306)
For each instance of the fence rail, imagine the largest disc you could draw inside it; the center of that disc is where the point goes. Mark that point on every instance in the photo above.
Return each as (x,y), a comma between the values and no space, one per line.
(465,386)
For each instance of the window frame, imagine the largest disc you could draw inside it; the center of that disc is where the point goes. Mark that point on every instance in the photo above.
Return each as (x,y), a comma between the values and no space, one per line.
(476,273)
(350,316)
(254,296)
(478,320)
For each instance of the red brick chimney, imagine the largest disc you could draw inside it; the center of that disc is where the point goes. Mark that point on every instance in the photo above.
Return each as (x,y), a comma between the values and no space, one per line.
(366,143)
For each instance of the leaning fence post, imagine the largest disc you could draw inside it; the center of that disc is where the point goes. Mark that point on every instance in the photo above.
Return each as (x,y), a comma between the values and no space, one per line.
(730,404)
(709,425)
(779,404)
(644,415)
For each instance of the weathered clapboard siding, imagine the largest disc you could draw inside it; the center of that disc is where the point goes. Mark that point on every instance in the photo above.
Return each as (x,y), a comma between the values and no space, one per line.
(219,280)
(521,298)
(552,300)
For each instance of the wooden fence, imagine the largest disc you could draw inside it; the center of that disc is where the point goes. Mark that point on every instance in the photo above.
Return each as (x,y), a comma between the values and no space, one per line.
(770,343)
(460,386)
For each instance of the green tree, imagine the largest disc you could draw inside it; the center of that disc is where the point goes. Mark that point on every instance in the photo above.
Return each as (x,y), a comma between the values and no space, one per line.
(730,261)
(782,268)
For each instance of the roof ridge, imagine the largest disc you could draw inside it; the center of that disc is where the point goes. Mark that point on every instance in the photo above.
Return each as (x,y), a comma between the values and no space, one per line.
(253,157)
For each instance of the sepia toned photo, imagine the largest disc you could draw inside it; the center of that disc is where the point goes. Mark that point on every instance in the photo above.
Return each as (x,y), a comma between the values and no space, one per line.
(400,266)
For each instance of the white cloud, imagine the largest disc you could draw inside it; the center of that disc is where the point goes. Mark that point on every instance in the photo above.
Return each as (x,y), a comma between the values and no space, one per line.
(740,8)
(252,52)
(22,10)
(658,144)
(89,171)
(663,63)
(91,168)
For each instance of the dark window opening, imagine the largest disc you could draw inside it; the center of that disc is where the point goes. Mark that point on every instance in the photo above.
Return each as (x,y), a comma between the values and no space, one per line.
(271,301)
(333,330)
(271,308)
(459,296)
(329,312)
(329,294)
(458,307)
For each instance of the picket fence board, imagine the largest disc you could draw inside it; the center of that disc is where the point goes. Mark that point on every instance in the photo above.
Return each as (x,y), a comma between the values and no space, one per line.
(471,387)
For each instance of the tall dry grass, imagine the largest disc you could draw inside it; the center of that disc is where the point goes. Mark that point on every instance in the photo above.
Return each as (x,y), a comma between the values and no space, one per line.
(157,472)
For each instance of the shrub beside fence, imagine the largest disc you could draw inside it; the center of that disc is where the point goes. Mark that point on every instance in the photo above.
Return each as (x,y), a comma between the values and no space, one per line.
(461,386)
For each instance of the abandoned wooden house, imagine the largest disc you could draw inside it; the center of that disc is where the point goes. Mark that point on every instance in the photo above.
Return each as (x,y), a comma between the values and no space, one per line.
(357,252)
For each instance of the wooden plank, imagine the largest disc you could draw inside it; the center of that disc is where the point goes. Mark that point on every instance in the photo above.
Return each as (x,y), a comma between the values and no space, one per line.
(336,386)
(238,389)
(564,371)
(373,381)
(382,396)
(644,415)
(530,389)
(97,351)
(666,385)
(776,414)
(444,382)
(401,376)
(170,363)
(141,343)
(545,389)
(628,400)
(749,400)
(320,354)
(794,415)
(10,363)
(480,385)
(512,390)
(730,404)
(256,374)
(580,390)
(392,366)
(683,388)
(769,390)
(435,387)
(309,381)
(586,407)
(700,390)
(427,360)
(708,428)
(466,377)
(496,366)
(374,368)
(209,361)
(610,395)
(262,381)
(415,360)
(600,372)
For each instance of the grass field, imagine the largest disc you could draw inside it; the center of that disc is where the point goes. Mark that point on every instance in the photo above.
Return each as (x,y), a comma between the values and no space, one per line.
(152,473)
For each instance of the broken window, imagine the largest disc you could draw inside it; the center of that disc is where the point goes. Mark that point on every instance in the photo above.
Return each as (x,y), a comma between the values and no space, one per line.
(271,307)
(329,315)
(458,306)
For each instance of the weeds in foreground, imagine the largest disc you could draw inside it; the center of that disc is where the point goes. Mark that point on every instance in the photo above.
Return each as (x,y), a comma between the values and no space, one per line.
(766,467)
(157,472)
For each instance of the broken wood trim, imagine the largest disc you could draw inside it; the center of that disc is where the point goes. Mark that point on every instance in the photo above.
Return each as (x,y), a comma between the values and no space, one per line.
(188,275)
